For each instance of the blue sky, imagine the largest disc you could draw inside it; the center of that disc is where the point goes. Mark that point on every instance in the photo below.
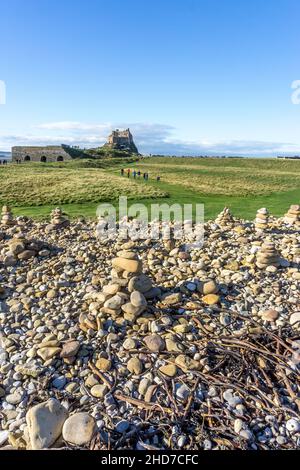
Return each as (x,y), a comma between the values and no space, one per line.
(188,76)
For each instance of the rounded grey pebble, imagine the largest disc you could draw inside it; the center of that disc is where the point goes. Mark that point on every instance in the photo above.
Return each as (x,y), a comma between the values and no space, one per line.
(246,434)
(122,426)
(281,440)
(207,444)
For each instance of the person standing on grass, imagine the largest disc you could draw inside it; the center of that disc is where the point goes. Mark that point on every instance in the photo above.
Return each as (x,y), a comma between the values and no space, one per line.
(158,179)
(139,174)
(122,172)
(134,174)
(128,173)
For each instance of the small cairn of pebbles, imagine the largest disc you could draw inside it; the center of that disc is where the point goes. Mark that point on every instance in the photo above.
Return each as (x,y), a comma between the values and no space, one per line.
(293,215)
(20,248)
(225,218)
(268,256)
(58,220)
(126,295)
(262,219)
(296,252)
(7,217)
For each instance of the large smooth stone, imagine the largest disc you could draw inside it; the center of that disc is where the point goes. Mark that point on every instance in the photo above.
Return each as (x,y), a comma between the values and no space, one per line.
(138,300)
(99,391)
(170,370)
(9,260)
(45,422)
(173,346)
(155,343)
(79,429)
(129,265)
(135,366)
(211,299)
(140,283)
(103,364)
(16,246)
(295,319)
(111,289)
(172,299)
(132,310)
(27,254)
(270,315)
(114,303)
(208,287)
(70,349)
(47,353)
(127,254)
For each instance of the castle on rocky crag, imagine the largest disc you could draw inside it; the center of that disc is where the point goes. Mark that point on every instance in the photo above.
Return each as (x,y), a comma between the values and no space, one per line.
(118,140)
(121,140)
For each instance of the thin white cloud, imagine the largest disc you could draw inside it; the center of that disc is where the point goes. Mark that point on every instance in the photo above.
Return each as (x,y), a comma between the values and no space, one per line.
(73,126)
(151,138)
(85,141)
(140,130)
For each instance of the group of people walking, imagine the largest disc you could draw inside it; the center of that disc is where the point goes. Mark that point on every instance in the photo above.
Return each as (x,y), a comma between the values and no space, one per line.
(136,174)
(3,162)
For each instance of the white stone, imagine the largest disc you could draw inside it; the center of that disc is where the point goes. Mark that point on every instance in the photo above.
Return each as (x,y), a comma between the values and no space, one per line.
(295,319)
(3,437)
(238,426)
(293,425)
(45,422)
(79,429)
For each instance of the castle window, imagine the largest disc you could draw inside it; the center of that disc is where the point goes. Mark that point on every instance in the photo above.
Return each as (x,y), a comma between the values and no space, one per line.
(43,159)
(27,158)
(60,158)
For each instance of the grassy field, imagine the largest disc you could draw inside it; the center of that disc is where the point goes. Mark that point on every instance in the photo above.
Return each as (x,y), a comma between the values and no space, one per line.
(228,177)
(35,184)
(78,186)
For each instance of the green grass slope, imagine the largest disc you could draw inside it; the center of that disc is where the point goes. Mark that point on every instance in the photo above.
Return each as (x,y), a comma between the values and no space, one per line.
(78,186)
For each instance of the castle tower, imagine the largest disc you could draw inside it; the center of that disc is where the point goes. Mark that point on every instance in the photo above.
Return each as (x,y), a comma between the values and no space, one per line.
(121,140)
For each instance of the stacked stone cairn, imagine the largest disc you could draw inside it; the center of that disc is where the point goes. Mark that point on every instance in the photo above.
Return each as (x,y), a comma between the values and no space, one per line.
(58,221)
(293,215)
(262,219)
(296,252)
(126,296)
(225,218)
(20,248)
(267,256)
(7,218)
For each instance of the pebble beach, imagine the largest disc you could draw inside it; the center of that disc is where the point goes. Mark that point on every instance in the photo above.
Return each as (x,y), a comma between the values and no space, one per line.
(144,345)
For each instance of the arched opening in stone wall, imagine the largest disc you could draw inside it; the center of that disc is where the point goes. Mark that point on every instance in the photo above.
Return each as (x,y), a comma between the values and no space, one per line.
(60,158)
(27,158)
(43,159)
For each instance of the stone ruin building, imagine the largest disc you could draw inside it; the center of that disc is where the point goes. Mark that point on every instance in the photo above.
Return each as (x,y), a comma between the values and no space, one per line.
(118,140)
(40,154)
